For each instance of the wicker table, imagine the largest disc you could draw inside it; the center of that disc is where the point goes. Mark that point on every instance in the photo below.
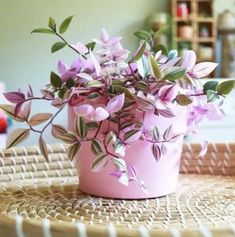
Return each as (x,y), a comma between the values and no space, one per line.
(39,198)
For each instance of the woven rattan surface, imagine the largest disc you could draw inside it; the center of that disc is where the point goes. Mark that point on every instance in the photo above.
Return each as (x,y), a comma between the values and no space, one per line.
(39,198)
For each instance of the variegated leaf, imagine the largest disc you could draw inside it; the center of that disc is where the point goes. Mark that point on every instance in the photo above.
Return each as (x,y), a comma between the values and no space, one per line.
(110,137)
(39,118)
(10,111)
(68,138)
(17,136)
(163,149)
(95,84)
(120,164)
(99,163)
(97,147)
(80,127)
(132,136)
(167,113)
(92,125)
(154,68)
(73,150)
(43,147)
(156,152)
(58,130)
(139,52)
(156,134)
(168,133)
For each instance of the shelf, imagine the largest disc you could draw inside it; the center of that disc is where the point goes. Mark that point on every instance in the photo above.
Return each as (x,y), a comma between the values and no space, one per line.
(206,40)
(205,19)
(184,39)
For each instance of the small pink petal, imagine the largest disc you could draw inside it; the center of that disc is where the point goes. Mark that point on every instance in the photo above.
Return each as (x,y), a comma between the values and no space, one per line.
(96,64)
(81,48)
(116,103)
(204,146)
(203,69)
(100,114)
(61,67)
(189,60)
(85,110)
(104,36)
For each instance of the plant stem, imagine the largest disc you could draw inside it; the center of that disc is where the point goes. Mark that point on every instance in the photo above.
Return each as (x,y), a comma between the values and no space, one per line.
(133,73)
(200,94)
(98,129)
(69,45)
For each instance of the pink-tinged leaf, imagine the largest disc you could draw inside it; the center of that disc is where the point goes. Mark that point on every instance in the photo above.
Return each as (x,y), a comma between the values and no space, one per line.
(172,62)
(124,179)
(58,130)
(10,110)
(175,137)
(75,99)
(61,67)
(158,54)
(99,163)
(58,103)
(168,92)
(132,136)
(30,92)
(81,48)
(104,36)
(25,112)
(116,103)
(114,40)
(203,69)
(17,136)
(168,133)
(47,94)
(39,118)
(156,152)
(156,134)
(96,64)
(84,110)
(85,76)
(204,147)
(18,108)
(15,97)
(100,114)
(43,147)
(189,60)
(117,174)
(167,113)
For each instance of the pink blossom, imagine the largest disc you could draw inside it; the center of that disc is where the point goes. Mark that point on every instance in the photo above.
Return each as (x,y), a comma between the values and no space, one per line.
(91,113)
(116,103)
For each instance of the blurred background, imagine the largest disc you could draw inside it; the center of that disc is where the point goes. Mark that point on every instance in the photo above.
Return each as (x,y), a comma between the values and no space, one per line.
(206,26)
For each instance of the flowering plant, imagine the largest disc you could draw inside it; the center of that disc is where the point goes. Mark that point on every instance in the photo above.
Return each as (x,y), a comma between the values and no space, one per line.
(103,87)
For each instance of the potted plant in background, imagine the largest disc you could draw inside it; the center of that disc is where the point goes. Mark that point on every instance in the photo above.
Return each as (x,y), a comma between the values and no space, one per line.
(126,118)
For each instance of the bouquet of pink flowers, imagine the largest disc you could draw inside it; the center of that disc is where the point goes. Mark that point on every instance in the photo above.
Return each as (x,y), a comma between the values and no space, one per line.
(107,86)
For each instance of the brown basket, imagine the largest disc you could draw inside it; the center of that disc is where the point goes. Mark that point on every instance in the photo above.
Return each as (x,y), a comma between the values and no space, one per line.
(39,198)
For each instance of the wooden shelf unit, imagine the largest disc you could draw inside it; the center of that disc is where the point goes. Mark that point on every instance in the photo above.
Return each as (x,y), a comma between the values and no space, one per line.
(201,16)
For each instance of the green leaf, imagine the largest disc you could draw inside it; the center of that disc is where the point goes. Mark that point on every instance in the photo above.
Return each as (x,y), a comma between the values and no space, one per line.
(73,150)
(65,24)
(70,83)
(39,118)
(17,136)
(160,47)
(80,127)
(57,46)
(154,68)
(158,33)
(225,87)
(90,46)
(212,95)
(93,95)
(43,30)
(62,92)
(52,24)
(92,125)
(43,147)
(68,138)
(139,52)
(141,85)
(174,73)
(183,100)
(55,80)
(210,85)
(97,147)
(99,163)
(143,34)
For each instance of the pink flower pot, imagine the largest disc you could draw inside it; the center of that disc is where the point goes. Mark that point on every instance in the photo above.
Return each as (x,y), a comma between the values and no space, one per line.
(160,177)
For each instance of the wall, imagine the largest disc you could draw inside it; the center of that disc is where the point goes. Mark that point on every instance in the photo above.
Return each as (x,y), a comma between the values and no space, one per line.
(26,59)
